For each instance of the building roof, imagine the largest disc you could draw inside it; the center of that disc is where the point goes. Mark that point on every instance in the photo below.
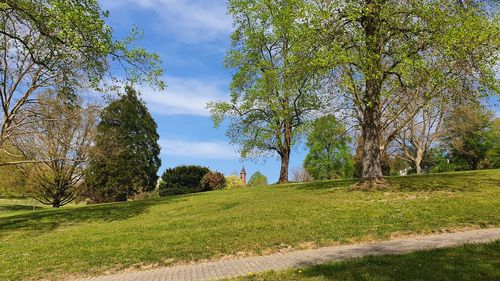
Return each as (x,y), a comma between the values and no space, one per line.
(243,170)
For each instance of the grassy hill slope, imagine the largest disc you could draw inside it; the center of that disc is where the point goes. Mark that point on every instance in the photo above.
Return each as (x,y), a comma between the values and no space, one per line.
(55,244)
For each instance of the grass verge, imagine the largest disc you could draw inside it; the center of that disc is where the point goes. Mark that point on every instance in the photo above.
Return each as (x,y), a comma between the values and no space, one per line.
(468,262)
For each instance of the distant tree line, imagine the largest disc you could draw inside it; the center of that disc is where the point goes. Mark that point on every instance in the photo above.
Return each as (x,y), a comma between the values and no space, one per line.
(458,138)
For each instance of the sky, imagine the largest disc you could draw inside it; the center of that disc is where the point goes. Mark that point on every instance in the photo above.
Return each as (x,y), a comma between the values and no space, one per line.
(192,37)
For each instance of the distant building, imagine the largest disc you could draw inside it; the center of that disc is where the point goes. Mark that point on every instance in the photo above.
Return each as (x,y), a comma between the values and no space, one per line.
(404,172)
(243,175)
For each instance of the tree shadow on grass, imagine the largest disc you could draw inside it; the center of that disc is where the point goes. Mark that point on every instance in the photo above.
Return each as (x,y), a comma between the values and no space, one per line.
(17,207)
(327,184)
(469,262)
(50,219)
(452,182)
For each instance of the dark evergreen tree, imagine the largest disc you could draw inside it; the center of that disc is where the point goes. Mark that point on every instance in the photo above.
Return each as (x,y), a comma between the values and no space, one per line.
(125,158)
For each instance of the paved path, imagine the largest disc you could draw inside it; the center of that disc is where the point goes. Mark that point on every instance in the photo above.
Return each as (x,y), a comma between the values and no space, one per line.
(242,266)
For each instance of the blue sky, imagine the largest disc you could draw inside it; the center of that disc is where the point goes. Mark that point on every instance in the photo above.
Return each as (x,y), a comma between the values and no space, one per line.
(192,37)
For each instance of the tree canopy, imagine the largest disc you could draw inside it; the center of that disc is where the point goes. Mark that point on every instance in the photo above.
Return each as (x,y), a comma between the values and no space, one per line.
(257,179)
(386,59)
(329,154)
(273,89)
(49,43)
(57,142)
(378,51)
(125,158)
(468,135)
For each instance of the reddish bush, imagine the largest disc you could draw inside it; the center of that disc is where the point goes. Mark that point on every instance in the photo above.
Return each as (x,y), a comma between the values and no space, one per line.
(213,181)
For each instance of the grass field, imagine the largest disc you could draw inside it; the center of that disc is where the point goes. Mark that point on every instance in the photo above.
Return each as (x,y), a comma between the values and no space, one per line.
(55,244)
(468,262)
(12,205)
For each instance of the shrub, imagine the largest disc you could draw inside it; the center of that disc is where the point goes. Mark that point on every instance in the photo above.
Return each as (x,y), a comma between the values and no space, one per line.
(182,180)
(146,195)
(444,167)
(234,182)
(257,179)
(213,181)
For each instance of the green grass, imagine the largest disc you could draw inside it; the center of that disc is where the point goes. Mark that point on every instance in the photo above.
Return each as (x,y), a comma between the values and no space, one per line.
(11,205)
(468,262)
(54,244)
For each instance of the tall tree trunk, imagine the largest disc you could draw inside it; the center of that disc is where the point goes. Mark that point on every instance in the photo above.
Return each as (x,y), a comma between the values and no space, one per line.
(418,161)
(285,154)
(372,169)
(56,204)
(418,169)
(285,161)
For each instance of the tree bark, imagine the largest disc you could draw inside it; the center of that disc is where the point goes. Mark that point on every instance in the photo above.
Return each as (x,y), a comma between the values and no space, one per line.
(418,169)
(372,169)
(284,152)
(285,161)
(418,161)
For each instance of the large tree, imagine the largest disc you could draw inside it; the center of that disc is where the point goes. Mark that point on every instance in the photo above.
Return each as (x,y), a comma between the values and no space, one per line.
(47,43)
(274,89)
(329,154)
(422,132)
(57,141)
(467,134)
(125,158)
(378,50)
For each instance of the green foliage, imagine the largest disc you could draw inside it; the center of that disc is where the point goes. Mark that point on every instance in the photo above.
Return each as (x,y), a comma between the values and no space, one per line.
(329,154)
(213,181)
(234,182)
(492,160)
(469,135)
(77,34)
(273,88)
(125,158)
(183,180)
(380,52)
(257,179)
(436,161)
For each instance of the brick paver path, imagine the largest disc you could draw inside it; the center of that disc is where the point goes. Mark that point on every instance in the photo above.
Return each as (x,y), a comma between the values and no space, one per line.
(297,259)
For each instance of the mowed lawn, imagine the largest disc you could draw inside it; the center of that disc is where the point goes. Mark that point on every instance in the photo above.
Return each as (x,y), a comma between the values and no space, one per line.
(468,262)
(88,240)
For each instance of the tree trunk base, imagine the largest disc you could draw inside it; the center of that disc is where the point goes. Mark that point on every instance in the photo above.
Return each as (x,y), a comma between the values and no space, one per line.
(373,184)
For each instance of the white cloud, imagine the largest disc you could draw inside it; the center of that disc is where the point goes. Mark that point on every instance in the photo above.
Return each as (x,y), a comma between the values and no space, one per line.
(194,21)
(198,149)
(183,96)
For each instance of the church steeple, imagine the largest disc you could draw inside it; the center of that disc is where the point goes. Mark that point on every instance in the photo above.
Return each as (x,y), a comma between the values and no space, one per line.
(243,175)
